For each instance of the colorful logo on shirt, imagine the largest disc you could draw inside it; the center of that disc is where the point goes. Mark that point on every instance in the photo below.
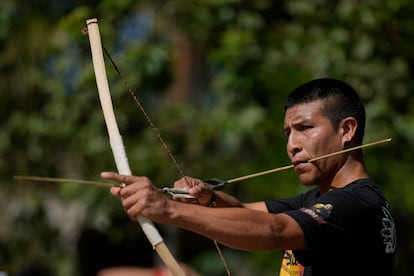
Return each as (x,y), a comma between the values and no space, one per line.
(324,210)
(319,211)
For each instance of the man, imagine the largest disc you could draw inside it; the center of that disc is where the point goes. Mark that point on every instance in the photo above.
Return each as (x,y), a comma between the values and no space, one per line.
(341,227)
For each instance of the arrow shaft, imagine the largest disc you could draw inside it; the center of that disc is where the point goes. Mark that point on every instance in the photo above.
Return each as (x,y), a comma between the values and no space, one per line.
(237,179)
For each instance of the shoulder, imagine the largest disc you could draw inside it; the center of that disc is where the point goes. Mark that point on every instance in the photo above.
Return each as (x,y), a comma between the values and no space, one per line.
(363,183)
(291,203)
(364,191)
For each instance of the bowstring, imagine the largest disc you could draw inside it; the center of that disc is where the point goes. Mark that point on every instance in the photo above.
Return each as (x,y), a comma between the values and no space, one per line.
(162,141)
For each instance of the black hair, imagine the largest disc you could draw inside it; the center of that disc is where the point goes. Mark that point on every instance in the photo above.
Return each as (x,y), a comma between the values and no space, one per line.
(340,101)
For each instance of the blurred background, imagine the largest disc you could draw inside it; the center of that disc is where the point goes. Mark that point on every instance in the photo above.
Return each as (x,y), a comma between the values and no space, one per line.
(212,75)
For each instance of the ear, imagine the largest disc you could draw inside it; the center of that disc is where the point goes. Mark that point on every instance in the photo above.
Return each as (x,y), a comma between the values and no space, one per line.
(347,128)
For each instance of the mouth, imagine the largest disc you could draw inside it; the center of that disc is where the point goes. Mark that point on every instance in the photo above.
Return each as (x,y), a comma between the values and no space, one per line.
(300,165)
(299,162)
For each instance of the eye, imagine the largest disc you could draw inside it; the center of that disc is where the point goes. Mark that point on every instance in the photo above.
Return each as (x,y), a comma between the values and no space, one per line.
(305,127)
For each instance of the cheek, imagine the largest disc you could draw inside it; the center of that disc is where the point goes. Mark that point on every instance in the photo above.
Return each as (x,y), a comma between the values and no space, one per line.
(315,150)
(323,146)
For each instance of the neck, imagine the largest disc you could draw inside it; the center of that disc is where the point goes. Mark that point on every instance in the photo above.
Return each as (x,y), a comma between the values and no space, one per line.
(352,170)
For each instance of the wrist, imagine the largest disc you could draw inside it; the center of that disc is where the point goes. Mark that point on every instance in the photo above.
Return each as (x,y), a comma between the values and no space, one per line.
(213,200)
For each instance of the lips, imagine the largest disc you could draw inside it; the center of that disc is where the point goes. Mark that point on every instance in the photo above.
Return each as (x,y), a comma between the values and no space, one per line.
(300,165)
(299,162)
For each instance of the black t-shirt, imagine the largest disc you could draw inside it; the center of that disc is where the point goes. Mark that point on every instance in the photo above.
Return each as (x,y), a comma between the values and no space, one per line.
(349,231)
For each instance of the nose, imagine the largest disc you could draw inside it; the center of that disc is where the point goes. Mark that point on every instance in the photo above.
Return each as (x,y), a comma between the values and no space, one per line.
(293,145)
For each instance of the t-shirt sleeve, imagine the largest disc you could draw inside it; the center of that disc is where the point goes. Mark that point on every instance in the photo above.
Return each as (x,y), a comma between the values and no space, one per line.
(283,205)
(327,221)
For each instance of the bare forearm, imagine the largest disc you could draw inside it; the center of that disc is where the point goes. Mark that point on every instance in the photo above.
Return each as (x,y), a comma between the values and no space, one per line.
(241,226)
(226,200)
(238,228)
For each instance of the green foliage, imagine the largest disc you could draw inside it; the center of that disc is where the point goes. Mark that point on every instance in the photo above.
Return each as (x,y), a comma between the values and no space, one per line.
(212,75)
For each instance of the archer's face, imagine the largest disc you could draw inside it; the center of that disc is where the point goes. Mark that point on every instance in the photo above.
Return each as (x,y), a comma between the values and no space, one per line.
(310,134)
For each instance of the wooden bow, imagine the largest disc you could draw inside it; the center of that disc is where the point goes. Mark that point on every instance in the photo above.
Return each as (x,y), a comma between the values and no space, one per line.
(117,145)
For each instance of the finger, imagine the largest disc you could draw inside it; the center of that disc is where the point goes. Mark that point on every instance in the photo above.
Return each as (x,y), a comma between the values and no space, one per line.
(187,181)
(129,201)
(200,189)
(116,191)
(132,206)
(181,183)
(123,179)
(129,190)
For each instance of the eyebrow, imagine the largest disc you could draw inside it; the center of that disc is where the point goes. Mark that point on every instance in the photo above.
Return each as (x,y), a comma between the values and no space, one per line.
(304,121)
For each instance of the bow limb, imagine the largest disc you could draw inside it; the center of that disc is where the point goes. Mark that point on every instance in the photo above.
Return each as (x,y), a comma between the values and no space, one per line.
(117,145)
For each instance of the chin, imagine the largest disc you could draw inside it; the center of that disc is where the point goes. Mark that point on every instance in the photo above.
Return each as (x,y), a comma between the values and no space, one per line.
(306,181)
